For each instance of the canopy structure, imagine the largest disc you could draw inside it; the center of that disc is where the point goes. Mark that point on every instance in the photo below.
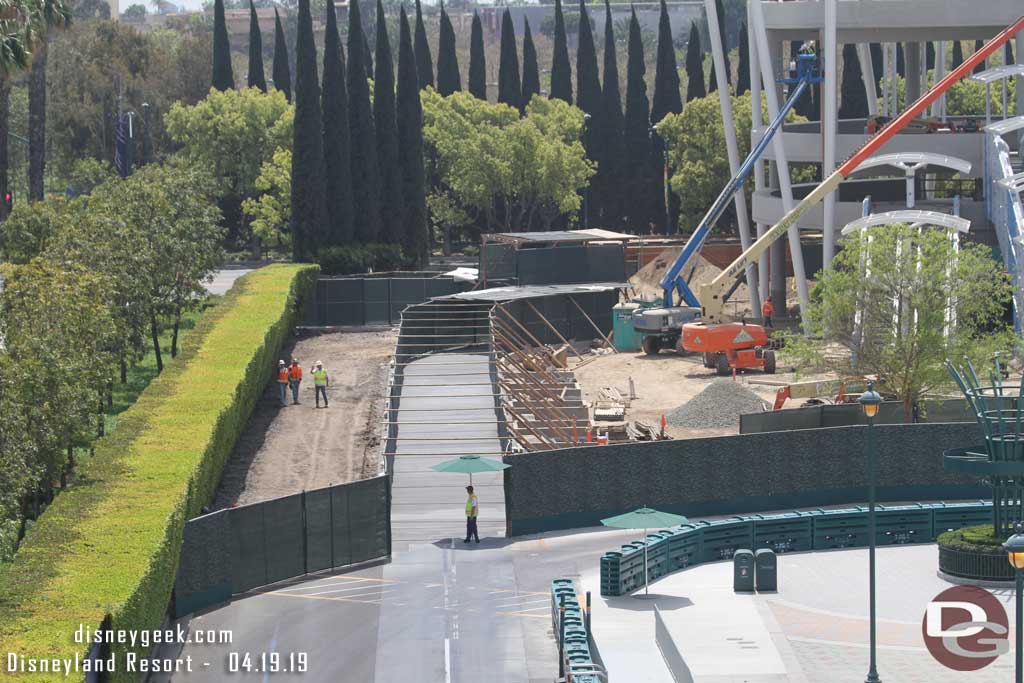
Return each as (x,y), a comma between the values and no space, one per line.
(914,218)
(644,518)
(468,464)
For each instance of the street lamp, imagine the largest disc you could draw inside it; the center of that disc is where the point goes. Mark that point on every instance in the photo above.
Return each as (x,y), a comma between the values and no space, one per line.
(869,402)
(586,189)
(660,146)
(1014,548)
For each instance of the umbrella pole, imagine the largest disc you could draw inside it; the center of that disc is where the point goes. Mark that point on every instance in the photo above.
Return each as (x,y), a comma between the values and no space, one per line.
(645,562)
(470,478)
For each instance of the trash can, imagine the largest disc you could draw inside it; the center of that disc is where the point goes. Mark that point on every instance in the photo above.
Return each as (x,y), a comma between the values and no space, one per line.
(767,570)
(743,571)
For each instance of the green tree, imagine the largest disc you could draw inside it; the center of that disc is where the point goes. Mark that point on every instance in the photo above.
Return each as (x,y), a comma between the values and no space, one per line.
(666,98)
(223,78)
(25,233)
(925,302)
(588,83)
(640,180)
(929,56)
(978,44)
(270,213)
(308,183)
(415,235)
(477,59)
(135,11)
(448,79)
(694,66)
(391,209)
(256,79)
(743,67)
(337,143)
(612,159)
(509,88)
(854,101)
(877,64)
(531,73)
(561,71)
(281,72)
(363,136)
(958,53)
(424,62)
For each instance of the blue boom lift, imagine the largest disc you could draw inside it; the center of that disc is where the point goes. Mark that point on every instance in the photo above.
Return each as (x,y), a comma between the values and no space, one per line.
(661,328)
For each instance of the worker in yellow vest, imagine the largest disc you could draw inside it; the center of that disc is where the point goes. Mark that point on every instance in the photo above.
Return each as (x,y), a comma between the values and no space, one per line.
(320,382)
(472,510)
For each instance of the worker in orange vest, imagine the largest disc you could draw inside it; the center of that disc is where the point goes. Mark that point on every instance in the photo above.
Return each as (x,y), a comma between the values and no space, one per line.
(282,382)
(767,311)
(295,379)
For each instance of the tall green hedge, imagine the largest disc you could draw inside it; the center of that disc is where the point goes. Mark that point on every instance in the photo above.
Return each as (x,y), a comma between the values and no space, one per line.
(108,546)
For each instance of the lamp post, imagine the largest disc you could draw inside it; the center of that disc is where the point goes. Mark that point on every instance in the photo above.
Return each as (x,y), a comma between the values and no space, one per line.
(586,190)
(1014,548)
(660,146)
(869,401)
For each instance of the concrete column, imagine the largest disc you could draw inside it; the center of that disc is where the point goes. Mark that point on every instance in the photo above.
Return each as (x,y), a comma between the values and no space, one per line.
(759,167)
(912,60)
(940,73)
(779,147)
(829,125)
(894,95)
(867,72)
(732,149)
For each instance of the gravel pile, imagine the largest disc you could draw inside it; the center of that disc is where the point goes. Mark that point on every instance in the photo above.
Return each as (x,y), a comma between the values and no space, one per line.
(719,405)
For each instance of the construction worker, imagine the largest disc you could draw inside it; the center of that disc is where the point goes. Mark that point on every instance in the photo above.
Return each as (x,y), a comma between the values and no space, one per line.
(295,379)
(282,382)
(767,311)
(320,382)
(472,510)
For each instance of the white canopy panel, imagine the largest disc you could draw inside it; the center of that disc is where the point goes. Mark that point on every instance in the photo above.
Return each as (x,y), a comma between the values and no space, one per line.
(914,217)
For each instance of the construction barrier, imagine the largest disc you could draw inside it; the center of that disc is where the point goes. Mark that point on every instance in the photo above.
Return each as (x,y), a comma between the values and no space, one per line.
(570,264)
(622,570)
(234,550)
(373,300)
(845,415)
(570,621)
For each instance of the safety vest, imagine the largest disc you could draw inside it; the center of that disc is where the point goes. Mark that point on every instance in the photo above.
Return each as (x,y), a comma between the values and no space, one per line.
(282,376)
(767,308)
(295,372)
(470,502)
(320,378)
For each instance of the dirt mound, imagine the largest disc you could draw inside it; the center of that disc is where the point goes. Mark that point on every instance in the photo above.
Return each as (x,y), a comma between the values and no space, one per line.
(719,405)
(647,281)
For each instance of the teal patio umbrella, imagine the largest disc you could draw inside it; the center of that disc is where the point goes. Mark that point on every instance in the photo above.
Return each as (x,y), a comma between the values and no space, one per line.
(468,464)
(645,518)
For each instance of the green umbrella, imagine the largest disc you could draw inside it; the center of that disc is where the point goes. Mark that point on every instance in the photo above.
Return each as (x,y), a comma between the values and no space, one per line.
(468,464)
(644,518)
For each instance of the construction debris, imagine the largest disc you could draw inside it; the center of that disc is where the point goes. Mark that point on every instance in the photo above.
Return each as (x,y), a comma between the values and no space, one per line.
(641,431)
(719,405)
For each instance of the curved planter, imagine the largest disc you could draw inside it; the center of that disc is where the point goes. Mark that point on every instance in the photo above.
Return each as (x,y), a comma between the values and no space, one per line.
(975,565)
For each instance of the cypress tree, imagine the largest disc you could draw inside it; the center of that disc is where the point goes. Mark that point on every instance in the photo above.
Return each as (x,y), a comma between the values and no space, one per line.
(1008,53)
(978,44)
(282,74)
(929,56)
(588,84)
(531,73)
(387,136)
(694,66)
(308,187)
(368,56)
(337,144)
(958,53)
(901,63)
(223,77)
(743,68)
(561,72)
(477,60)
(448,80)
(362,136)
(256,78)
(612,162)
(424,62)
(639,178)
(509,87)
(713,81)
(666,78)
(876,66)
(415,234)
(853,99)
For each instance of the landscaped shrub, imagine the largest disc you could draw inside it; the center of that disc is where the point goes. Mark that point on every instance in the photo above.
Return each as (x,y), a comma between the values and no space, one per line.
(354,259)
(107,549)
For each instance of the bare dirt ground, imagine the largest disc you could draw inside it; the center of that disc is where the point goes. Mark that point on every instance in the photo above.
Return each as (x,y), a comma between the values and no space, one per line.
(667,381)
(289,449)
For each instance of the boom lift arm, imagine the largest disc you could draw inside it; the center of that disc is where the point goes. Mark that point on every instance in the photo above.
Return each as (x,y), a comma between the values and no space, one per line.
(712,294)
(807,73)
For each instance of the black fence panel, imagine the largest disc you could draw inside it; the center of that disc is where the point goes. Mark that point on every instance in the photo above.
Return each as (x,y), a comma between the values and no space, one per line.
(373,300)
(846,415)
(235,550)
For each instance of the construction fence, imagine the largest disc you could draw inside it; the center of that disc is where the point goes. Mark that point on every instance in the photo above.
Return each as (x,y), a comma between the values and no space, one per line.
(373,300)
(570,264)
(235,550)
(845,415)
